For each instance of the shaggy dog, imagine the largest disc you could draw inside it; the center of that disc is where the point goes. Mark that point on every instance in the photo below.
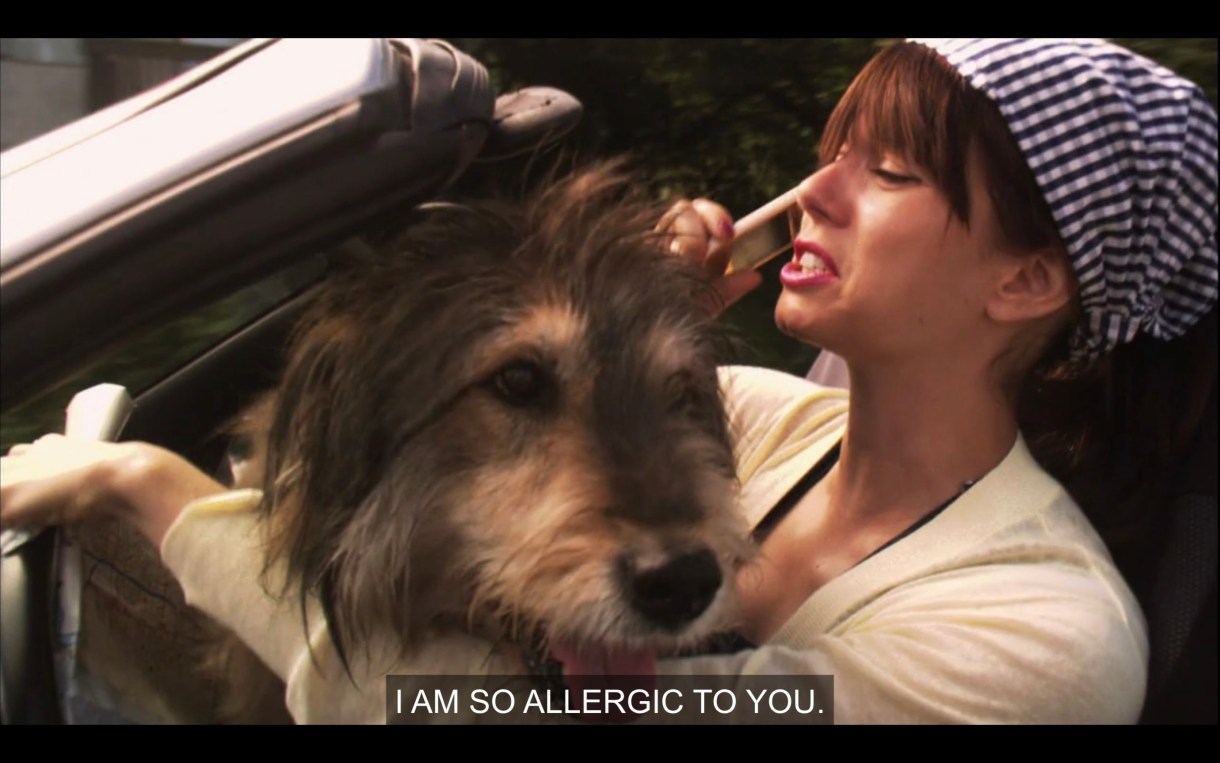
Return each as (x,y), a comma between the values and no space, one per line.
(508,423)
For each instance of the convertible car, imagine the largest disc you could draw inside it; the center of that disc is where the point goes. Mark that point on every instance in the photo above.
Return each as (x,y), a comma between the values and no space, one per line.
(194,218)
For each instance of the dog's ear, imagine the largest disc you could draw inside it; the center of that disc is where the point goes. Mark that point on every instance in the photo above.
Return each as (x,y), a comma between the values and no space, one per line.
(325,449)
(382,352)
(325,446)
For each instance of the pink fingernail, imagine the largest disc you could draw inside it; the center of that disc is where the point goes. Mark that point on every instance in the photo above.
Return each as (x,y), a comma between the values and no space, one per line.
(726,228)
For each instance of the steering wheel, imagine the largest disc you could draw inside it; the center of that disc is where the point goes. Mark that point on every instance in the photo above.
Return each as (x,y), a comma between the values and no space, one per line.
(34,614)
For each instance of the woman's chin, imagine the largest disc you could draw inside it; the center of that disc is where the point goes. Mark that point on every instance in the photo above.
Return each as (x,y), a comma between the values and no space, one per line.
(796,320)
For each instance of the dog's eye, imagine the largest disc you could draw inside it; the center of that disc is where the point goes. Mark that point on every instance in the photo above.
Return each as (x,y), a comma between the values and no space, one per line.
(522,383)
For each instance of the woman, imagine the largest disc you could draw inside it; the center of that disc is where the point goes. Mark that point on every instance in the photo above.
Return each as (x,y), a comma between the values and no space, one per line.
(911,545)
(944,270)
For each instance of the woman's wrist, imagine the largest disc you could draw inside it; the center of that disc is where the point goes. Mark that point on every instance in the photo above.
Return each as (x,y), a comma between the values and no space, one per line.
(150,486)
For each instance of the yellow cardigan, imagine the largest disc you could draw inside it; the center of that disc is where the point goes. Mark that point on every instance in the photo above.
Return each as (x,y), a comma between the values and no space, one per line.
(1004,608)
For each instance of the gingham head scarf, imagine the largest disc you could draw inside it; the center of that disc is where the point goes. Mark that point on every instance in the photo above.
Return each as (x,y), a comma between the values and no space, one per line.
(1125,154)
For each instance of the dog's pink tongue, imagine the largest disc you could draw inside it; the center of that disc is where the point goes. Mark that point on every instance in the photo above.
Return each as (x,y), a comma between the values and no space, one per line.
(604,668)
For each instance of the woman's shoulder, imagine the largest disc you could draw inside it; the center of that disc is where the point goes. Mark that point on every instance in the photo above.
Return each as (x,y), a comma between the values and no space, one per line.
(755,384)
(781,425)
(1021,530)
(1027,641)
(1023,627)
(766,404)
(1010,575)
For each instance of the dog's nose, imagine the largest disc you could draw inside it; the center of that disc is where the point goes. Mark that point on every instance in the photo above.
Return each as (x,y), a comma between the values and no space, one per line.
(675,592)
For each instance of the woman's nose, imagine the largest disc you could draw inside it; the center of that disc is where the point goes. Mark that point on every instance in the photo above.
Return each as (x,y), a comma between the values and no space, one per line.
(823,195)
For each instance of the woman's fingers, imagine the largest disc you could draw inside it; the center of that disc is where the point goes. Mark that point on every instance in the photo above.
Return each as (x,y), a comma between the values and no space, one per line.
(56,455)
(54,480)
(29,501)
(685,235)
(718,224)
(698,231)
(701,232)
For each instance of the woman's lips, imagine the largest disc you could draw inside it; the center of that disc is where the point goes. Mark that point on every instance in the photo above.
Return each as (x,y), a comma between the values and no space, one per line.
(811,265)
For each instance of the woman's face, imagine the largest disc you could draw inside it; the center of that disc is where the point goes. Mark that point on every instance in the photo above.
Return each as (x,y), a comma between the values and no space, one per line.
(889,273)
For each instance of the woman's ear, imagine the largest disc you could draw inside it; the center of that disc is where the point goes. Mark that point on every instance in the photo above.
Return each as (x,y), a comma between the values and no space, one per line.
(1031,286)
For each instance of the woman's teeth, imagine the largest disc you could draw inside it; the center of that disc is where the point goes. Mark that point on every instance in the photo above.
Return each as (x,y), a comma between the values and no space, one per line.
(811,264)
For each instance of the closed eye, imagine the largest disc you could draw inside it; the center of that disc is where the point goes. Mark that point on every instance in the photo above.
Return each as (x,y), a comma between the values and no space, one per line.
(896,178)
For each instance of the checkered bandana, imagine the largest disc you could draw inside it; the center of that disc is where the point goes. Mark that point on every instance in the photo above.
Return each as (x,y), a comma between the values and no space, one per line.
(1125,154)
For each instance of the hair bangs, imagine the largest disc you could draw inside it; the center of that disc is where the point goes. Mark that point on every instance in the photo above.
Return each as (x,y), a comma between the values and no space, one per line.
(909,102)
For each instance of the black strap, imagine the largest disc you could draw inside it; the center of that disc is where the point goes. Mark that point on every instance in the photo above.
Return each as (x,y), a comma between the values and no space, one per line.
(798,491)
(729,643)
(926,518)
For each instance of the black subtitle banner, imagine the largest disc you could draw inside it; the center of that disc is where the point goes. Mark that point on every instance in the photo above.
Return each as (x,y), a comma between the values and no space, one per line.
(752,700)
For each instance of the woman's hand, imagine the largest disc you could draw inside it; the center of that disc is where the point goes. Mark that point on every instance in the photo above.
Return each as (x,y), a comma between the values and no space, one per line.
(60,480)
(701,232)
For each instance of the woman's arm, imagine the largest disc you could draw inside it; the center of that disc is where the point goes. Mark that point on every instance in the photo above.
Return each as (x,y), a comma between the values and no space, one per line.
(59,480)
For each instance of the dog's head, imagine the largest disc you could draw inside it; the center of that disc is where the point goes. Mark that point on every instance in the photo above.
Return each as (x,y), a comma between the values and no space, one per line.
(510,422)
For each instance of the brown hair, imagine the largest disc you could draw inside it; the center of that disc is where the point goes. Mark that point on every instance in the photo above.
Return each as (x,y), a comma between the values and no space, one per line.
(1113,433)
(917,106)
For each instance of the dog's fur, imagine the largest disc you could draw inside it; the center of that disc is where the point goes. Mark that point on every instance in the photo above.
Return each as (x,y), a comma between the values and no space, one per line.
(509,423)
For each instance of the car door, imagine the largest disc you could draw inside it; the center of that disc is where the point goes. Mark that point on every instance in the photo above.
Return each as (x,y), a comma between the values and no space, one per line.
(193,218)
